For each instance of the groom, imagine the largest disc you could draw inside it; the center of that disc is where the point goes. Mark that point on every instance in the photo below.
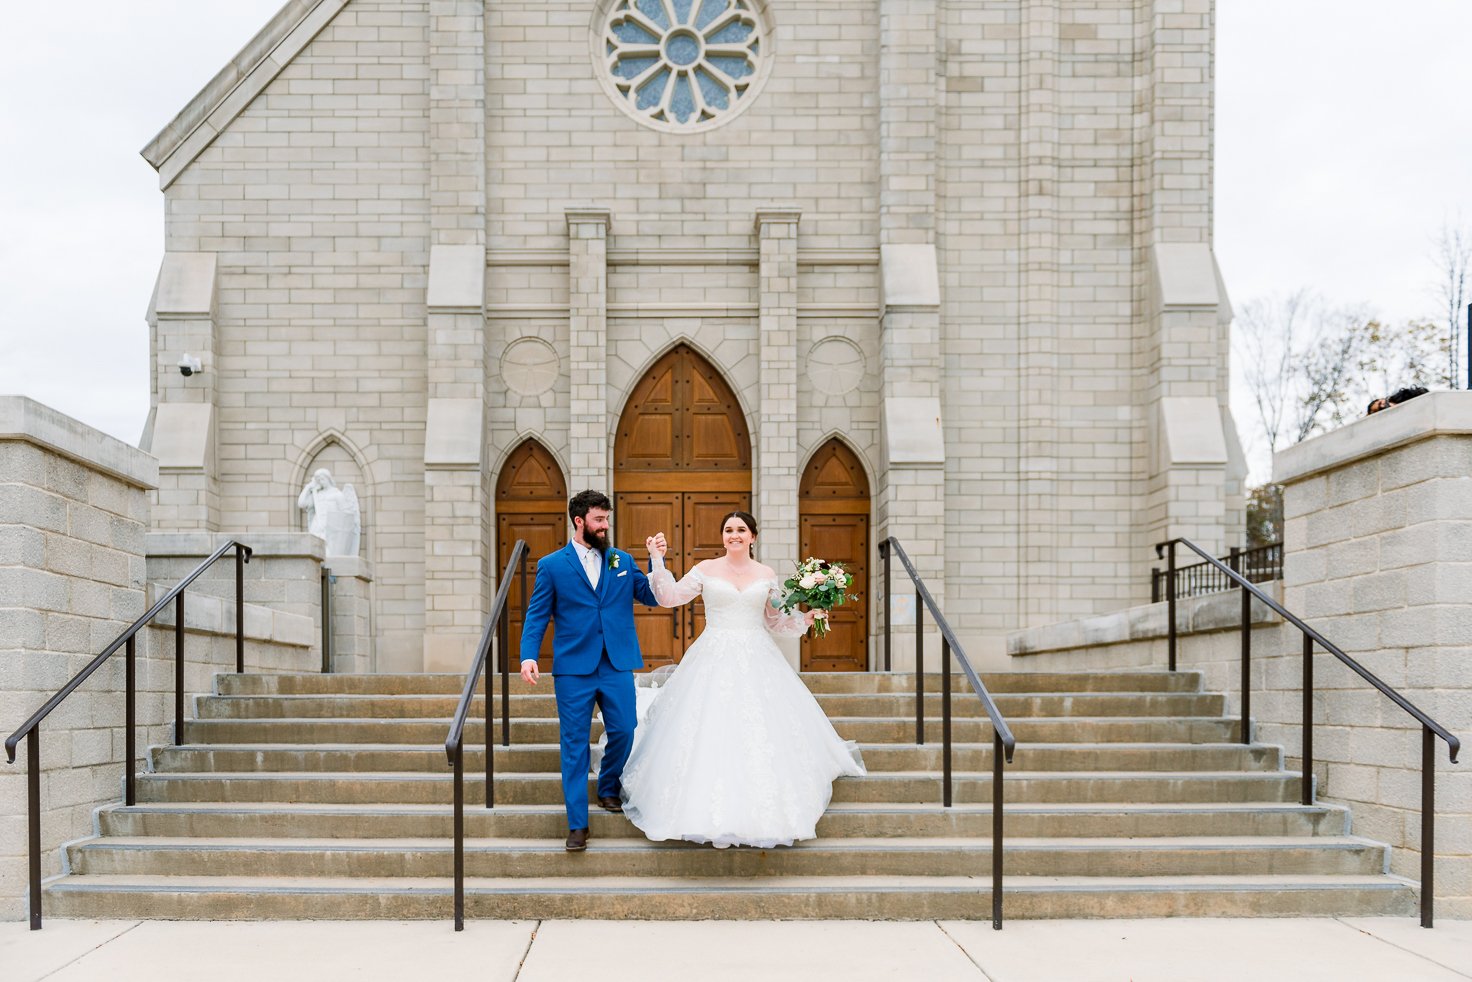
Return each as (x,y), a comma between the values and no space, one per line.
(588,590)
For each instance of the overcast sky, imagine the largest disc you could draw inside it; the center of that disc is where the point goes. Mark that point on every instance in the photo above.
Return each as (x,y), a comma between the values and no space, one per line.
(1344,139)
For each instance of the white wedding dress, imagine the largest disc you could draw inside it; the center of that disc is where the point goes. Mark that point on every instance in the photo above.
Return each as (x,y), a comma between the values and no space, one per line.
(735,750)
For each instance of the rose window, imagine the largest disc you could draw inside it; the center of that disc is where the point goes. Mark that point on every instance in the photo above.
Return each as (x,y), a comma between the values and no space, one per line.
(682,64)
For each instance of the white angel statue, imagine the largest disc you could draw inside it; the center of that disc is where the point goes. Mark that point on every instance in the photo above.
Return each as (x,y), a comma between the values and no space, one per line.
(332,513)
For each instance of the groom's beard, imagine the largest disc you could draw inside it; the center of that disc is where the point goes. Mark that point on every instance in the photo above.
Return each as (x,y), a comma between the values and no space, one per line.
(596,540)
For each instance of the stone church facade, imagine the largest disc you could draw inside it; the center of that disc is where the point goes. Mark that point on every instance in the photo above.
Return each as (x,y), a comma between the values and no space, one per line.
(936,269)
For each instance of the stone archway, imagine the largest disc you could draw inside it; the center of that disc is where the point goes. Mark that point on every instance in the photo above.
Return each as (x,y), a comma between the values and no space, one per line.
(531,504)
(682,459)
(833,522)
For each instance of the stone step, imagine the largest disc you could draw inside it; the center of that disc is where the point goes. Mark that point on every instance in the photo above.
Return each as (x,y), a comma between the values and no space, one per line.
(842,820)
(996,682)
(1181,856)
(895,787)
(531,758)
(543,706)
(784,897)
(1075,729)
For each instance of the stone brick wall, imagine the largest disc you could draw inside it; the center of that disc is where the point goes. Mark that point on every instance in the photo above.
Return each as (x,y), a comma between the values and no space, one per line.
(74,573)
(315,200)
(1038,155)
(1378,558)
(73,510)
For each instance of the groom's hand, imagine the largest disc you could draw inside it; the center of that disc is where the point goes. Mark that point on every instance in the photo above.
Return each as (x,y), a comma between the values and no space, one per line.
(530,672)
(657,545)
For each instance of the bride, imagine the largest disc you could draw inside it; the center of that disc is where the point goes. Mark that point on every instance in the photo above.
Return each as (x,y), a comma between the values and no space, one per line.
(735,750)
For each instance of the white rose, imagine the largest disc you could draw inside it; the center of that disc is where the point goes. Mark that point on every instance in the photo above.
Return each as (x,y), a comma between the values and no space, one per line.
(807,582)
(820,577)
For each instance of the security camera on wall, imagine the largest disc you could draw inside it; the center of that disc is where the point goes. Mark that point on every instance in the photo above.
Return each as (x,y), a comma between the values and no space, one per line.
(189,364)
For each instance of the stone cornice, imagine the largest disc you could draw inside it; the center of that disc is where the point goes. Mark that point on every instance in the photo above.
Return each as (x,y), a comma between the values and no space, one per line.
(783,214)
(1434,414)
(26,420)
(236,85)
(588,214)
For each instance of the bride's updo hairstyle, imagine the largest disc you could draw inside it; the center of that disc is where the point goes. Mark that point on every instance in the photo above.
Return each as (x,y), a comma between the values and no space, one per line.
(746,517)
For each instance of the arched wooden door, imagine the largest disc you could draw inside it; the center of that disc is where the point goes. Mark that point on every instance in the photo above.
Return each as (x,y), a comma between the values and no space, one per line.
(531,504)
(834,525)
(682,459)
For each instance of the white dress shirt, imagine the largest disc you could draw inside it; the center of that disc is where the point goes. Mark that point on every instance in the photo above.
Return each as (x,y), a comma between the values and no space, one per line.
(592,561)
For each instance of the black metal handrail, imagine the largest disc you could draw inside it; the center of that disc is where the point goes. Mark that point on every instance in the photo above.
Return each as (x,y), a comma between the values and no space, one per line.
(500,621)
(1259,564)
(1003,743)
(30,730)
(1429,727)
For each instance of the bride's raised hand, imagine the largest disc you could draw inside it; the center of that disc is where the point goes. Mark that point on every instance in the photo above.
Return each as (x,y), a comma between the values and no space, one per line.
(656,545)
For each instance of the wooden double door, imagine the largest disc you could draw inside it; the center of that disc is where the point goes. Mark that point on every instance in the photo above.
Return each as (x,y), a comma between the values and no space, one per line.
(691,522)
(531,504)
(833,516)
(682,461)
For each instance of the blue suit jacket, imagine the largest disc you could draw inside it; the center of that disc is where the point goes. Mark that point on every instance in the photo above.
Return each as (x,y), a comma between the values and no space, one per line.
(589,621)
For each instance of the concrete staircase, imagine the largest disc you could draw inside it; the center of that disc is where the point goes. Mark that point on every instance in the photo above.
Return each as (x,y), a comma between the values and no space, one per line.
(312,796)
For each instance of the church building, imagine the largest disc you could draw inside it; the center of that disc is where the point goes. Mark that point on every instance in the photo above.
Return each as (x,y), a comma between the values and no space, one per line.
(932,269)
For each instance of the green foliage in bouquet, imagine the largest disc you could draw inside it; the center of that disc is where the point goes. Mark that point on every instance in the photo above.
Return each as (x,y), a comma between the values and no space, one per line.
(818,584)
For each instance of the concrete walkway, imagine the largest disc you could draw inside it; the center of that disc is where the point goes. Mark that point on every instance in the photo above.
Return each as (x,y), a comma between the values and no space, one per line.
(1303,950)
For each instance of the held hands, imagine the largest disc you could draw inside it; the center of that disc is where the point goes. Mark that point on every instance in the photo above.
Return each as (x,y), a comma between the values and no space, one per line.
(529,671)
(656,545)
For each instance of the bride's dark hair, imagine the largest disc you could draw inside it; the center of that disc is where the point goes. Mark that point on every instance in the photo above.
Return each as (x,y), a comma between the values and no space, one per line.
(750,521)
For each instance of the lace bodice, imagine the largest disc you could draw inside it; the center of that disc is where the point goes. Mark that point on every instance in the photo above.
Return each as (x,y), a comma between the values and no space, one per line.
(727,606)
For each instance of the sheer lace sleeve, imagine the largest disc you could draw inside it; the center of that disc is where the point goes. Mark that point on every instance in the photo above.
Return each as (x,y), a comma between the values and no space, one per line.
(793,625)
(672,594)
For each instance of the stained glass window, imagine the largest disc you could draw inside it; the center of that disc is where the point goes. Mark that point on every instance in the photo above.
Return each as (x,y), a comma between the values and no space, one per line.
(682,64)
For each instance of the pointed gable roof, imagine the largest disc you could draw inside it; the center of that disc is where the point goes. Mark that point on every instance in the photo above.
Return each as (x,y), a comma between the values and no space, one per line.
(237,84)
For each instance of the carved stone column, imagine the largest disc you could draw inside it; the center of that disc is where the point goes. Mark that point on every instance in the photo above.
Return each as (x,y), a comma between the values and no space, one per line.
(777,462)
(587,244)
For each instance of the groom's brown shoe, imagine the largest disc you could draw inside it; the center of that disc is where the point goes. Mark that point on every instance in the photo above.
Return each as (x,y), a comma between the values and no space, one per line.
(577,840)
(611,804)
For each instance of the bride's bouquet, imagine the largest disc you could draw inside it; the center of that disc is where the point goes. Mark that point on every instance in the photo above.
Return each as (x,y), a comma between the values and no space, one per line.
(818,584)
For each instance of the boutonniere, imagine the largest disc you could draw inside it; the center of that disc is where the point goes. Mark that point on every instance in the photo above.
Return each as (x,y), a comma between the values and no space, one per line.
(613,559)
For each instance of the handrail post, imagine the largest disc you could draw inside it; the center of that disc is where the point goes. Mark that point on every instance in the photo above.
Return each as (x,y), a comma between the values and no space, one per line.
(1239,564)
(33,820)
(945,716)
(179,669)
(996,829)
(1306,793)
(919,669)
(460,836)
(490,743)
(326,620)
(130,750)
(888,603)
(239,610)
(1428,824)
(506,662)
(504,637)
(1170,603)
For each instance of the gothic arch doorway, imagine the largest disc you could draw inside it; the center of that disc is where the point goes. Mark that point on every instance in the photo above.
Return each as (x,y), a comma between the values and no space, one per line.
(682,459)
(833,517)
(531,504)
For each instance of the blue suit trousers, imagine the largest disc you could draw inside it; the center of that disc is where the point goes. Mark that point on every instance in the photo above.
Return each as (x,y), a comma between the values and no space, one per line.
(612,691)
